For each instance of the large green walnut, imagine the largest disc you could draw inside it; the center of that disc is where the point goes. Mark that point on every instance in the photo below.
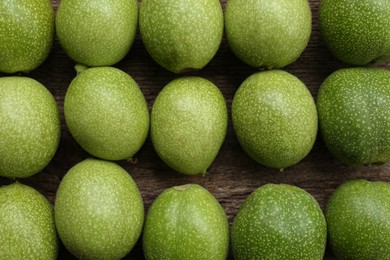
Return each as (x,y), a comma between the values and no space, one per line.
(26,34)
(268,33)
(188,124)
(30,127)
(99,211)
(275,118)
(358,218)
(181,35)
(354,116)
(96,33)
(356,32)
(27,229)
(279,221)
(106,113)
(186,222)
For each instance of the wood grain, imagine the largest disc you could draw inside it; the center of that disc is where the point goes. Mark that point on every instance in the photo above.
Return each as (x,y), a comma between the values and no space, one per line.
(233,175)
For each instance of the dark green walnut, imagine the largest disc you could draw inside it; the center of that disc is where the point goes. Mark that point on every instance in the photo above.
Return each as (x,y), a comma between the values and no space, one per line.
(356,32)
(268,33)
(275,118)
(358,218)
(27,229)
(29,127)
(99,211)
(26,34)
(97,33)
(279,221)
(188,124)
(181,35)
(354,115)
(186,222)
(106,113)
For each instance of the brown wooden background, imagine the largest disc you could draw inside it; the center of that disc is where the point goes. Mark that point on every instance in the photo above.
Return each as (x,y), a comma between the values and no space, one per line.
(233,175)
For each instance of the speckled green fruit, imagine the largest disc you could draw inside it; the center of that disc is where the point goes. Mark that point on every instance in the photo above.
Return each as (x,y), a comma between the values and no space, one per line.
(358,218)
(356,32)
(26,34)
(279,221)
(27,229)
(275,118)
(99,211)
(106,113)
(188,124)
(268,33)
(186,222)
(97,33)
(181,35)
(30,127)
(353,109)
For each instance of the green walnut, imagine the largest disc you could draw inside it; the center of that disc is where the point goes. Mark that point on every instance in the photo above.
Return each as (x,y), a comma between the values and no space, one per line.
(267,33)
(188,124)
(275,118)
(186,222)
(106,113)
(181,35)
(96,33)
(358,218)
(354,116)
(279,221)
(27,229)
(30,127)
(99,211)
(26,34)
(356,32)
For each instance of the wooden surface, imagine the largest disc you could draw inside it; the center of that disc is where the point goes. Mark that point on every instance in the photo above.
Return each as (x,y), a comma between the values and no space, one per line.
(233,175)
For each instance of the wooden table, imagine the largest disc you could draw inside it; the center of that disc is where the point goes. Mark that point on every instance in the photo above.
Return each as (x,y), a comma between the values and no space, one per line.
(233,175)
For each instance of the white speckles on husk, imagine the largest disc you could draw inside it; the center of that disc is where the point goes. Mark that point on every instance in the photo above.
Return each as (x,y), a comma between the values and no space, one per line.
(186,222)
(358,217)
(354,115)
(26,34)
(268,33)
(188,124)
(97,33)
(29,127)
(356,32)
(279,221)
(106,113)
(275,118)
(181,35)
(27,229)
(99,211)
